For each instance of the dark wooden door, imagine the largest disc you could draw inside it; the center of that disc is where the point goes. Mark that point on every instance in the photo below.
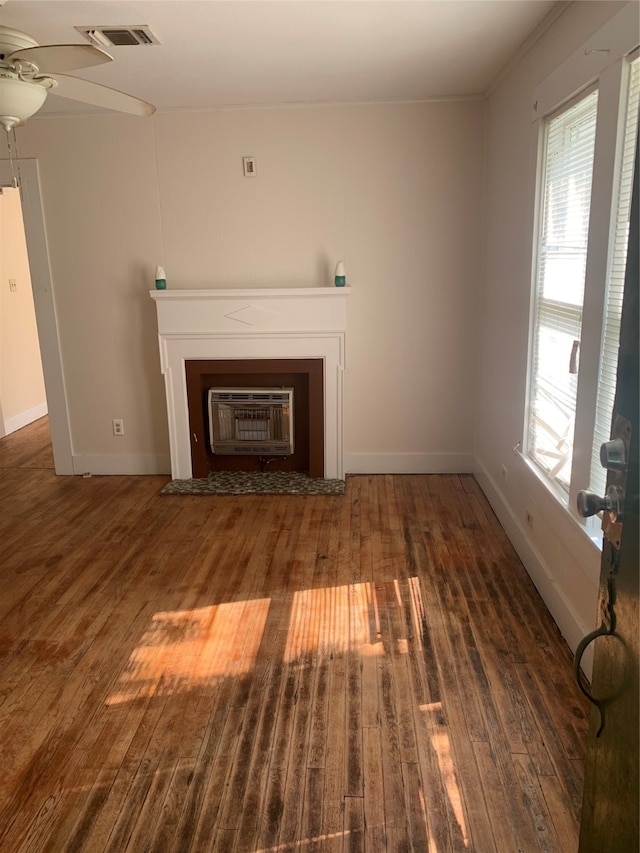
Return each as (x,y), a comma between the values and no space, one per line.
(611,796)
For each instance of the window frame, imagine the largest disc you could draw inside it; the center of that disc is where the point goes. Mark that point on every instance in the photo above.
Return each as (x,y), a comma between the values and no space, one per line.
(538,299)
(630,59)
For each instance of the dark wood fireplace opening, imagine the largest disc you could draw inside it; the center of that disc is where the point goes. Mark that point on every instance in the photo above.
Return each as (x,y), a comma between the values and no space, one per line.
(304,375)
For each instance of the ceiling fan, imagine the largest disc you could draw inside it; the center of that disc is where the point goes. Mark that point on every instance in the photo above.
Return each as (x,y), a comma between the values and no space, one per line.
(28,72)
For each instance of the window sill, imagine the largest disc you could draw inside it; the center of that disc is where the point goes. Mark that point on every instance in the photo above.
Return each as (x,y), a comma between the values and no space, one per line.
(588,528)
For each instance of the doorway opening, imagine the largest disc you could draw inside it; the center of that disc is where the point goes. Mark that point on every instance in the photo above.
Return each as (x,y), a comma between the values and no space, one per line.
(44,306)
(22,392)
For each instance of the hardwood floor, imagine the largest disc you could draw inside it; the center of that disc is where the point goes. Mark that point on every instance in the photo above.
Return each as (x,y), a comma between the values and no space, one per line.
(372,672)
(28,448)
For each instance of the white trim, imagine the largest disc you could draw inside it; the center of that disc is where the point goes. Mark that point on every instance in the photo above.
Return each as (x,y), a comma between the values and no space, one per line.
(615,39)
(571,626)
(254,293)
(175,351)
(123,463)
(45,310)
(278,105)
(288,323)
(16,422)
(532,39)
(605,186)
(408,463)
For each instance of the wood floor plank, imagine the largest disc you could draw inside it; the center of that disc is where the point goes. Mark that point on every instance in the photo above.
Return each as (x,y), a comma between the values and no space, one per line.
(335,757)
(374,790)
(311,836)
(354,826)
(529,782)
(418,835)
(562,811)
(373,672)
(501,816)
(559,764)
(390,749)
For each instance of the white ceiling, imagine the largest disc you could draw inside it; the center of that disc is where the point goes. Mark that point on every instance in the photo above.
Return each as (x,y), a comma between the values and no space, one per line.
(218,53)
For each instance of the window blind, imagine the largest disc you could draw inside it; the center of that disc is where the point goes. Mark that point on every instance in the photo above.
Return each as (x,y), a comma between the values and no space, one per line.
(615,284)
(569,143)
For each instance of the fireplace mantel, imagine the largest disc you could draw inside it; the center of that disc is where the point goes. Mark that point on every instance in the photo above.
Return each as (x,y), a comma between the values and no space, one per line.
(252,323)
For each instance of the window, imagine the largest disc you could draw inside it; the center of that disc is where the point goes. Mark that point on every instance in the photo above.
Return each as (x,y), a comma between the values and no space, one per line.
(585,174)
(569,143)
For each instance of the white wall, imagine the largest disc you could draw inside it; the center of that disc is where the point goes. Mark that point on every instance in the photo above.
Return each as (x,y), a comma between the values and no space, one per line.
(22,394)
(394,190)
(562,560)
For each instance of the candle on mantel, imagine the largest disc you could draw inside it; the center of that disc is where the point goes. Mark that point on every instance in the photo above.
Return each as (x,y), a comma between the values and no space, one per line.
(161,279)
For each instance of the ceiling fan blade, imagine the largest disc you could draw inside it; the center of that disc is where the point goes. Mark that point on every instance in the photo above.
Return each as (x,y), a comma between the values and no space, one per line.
(100,96)
(58,58)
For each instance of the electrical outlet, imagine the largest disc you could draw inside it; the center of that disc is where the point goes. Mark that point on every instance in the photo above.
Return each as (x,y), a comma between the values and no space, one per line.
(118,426)
(13,285)
(529,517)
(504,472)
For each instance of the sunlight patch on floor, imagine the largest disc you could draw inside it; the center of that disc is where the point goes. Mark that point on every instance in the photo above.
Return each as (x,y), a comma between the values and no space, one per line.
(301,844)
(433,848)
(191,649)
(442,748)
(333,620)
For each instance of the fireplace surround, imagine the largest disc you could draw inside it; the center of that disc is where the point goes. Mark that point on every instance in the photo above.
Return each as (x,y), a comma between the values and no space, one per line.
(252,324)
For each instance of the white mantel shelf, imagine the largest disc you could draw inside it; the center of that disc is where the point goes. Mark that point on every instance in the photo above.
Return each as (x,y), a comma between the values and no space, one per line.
(250,293)
(302,322)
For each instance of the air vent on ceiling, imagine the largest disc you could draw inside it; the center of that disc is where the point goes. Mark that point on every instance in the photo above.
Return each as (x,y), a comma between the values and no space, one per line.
(119,36)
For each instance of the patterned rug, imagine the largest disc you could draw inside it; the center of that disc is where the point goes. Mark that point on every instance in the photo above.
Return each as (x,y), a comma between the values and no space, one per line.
(250,483)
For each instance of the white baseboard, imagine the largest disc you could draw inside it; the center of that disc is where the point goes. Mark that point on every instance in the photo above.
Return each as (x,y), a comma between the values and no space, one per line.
(408,463)
(22,419)
(132,463)
(562,610)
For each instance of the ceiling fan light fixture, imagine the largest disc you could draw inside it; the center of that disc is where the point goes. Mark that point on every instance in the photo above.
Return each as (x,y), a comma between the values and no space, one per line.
(28,70)
(19,100)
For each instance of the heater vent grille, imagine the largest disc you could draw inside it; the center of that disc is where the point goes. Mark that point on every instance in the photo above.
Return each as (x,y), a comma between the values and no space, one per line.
(119,36)
(251,421)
